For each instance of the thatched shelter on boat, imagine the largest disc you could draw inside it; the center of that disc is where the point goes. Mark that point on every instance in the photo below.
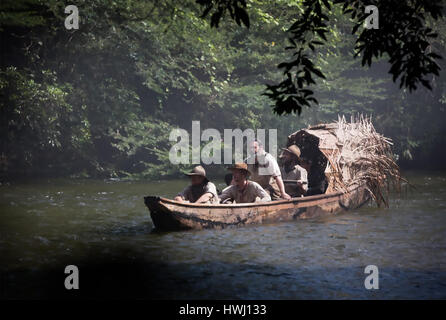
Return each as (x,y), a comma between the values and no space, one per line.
(348,154)
(352,157)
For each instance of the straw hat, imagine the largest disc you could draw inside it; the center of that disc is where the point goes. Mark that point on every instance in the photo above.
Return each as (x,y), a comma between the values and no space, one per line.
(293,149)
(240,166)
(197,171)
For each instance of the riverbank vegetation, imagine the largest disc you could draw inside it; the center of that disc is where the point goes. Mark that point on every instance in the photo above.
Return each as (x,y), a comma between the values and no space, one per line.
(101,101)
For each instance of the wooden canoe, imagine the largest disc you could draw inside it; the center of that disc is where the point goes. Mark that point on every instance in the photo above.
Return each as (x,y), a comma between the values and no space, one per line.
(170,215)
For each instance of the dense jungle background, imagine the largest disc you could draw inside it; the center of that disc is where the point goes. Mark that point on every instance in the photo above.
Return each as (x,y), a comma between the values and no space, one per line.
(101,101)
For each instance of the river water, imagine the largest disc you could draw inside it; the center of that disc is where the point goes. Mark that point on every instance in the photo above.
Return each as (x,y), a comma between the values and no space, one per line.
(104,229)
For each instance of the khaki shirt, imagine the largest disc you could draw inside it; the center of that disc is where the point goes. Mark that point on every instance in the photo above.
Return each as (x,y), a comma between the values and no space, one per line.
(297,173)
(265,172)
(253,192)
(188,193)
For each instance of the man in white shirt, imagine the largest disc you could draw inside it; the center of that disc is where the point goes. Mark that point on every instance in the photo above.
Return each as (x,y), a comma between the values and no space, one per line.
(266,172)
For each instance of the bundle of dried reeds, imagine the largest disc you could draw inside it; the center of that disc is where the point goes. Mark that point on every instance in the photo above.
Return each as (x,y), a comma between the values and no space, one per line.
(362,156)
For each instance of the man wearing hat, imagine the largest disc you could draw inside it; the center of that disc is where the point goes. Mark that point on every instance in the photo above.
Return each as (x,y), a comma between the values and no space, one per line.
(292,171)
(201,189)
(243,190)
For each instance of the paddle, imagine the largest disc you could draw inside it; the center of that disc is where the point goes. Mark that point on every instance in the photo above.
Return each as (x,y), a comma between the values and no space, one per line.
(291,182)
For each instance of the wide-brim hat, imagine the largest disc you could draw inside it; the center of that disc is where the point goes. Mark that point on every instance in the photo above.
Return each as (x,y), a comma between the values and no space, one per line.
(197,171)
(293,149)
(240,166)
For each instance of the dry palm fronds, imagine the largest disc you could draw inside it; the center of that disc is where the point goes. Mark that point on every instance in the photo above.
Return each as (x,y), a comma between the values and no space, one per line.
(351,153)
(364,157)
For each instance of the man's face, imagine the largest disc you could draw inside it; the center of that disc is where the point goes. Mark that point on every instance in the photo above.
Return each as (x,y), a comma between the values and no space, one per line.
(196,180)
(286,157)
(255,147)
(238,176)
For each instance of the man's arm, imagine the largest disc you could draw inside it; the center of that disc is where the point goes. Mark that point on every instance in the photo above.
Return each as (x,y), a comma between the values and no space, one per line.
(205,198)
(281,186)
(210,194)
(179,198)
(303,181)
(226,194)
(262,194)
(277,176)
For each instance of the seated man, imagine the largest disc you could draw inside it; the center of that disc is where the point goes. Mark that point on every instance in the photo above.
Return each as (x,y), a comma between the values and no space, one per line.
(201,189)
(292,171)
(243,191)
(317,182)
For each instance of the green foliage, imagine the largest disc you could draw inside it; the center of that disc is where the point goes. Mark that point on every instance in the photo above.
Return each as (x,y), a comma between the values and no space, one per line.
(21,13)
(35,117)
(102,100)
(403,35)
(145,145)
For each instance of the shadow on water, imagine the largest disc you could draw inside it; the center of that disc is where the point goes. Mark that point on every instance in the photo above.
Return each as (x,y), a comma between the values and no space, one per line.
(118,277)
(138,229)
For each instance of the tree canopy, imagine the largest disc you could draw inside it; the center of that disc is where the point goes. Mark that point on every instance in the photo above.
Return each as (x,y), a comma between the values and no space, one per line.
(102,100)
(403,37)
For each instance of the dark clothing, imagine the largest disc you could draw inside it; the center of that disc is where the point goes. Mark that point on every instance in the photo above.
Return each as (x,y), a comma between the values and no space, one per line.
(193,193)
(317,182)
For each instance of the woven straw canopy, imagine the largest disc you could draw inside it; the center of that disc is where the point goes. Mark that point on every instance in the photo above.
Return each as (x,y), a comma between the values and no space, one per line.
(349,153)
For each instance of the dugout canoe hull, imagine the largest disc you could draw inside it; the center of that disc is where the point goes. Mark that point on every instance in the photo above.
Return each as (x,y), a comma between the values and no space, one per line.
(170,215)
